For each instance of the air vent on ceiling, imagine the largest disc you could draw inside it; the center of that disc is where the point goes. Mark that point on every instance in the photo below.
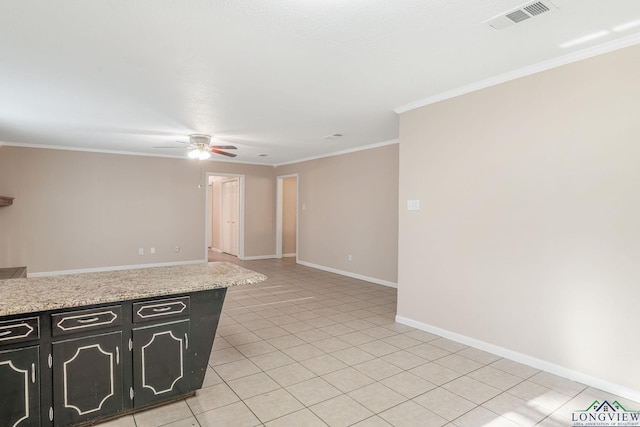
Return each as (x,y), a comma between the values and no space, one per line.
(520,13)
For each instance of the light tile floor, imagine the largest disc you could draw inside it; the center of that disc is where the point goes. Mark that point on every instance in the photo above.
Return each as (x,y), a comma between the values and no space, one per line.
(309,348)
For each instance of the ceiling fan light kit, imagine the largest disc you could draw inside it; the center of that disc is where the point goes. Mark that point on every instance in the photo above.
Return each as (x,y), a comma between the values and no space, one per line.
(199,147)
(199,154)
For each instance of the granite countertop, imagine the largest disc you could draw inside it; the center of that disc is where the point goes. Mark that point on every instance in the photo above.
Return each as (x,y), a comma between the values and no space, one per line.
(35,294)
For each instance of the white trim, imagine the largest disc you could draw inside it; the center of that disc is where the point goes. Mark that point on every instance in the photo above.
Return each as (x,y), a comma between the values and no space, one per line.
(242,186)
(114,268)
(289,255)
(10,364)
(341,152)
(349,274)
(66,385)
(212,159)
(252,258)
(92,317)
(279,197)
(126,153)
(9,326)
(166,309)
(216,250)
(279,201)
(561,371)
(144,375)
(579,55)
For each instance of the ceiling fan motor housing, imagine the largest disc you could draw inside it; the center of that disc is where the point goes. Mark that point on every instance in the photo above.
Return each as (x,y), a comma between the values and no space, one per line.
(199,139)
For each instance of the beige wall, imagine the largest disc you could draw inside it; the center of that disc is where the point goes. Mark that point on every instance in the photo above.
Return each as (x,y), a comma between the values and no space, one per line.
(78,210)
(348,205)
(289,205)
(528,236)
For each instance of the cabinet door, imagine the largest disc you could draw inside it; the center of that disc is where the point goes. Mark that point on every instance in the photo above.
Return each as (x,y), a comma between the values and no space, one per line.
(160,362)
(87,378)
(20,387)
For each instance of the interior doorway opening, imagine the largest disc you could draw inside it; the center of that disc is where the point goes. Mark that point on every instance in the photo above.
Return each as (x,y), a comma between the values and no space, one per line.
(287,216)
(225,214)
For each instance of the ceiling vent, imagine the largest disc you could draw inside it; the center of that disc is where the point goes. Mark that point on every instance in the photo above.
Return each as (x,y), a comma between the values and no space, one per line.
(521,13)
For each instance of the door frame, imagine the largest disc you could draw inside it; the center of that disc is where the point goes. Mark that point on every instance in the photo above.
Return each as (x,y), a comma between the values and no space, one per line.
(279,201)
(241,179)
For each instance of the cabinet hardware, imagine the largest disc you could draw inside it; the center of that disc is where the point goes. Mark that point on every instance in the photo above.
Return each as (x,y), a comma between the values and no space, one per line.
(50,413)
(161,309)
(5,333)
(186,341)
(33,373)
(117,355)
(131,393)
(130,344)
(50,360)
(91,320)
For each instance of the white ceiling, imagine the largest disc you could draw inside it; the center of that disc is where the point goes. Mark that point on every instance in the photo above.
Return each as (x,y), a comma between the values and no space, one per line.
(272,77)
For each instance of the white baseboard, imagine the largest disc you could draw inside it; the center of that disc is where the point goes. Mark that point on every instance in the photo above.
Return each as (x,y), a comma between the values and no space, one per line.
(114,268)
(349,274)
(252,258)
(289,255)
(561,371)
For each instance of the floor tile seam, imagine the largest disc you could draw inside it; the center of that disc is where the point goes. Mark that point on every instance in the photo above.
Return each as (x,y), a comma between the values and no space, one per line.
(556,390)
(480,381)
(479,405)
(240,399)
(507,391)
(190,410)
(529,404)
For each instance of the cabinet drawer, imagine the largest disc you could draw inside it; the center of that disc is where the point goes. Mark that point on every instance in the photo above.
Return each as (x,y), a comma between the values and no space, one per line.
(18,330)
(160,309)
(71,322)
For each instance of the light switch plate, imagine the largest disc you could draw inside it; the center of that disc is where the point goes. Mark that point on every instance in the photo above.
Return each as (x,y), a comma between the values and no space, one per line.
(413,205)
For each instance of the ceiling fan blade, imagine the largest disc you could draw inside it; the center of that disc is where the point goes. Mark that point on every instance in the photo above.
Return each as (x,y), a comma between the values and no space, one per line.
(224,147)
(224,153)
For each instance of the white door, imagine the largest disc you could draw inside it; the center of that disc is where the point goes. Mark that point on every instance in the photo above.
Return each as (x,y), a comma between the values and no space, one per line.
(230,217)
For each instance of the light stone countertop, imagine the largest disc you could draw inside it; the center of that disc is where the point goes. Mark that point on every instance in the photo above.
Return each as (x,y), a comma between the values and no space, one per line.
(29,295)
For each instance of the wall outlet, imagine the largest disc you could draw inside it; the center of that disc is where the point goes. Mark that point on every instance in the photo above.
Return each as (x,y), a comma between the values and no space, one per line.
(140,251)
(177,248)
(152,251)
(350,258)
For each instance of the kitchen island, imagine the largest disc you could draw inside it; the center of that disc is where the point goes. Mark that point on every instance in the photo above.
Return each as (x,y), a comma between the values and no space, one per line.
(75,349)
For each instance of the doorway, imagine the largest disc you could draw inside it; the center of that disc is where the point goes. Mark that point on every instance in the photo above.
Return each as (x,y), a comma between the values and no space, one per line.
(230,224)
(287,216)
(225,214)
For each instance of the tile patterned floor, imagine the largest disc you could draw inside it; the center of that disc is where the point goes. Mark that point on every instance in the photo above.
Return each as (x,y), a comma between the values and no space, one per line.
(309,348)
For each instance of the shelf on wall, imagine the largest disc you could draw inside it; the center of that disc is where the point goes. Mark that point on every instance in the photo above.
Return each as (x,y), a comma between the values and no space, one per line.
(6,201)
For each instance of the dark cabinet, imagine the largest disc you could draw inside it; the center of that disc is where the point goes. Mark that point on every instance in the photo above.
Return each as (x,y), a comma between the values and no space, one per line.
(81,365)
(87,378)
(20,387)
(161,359)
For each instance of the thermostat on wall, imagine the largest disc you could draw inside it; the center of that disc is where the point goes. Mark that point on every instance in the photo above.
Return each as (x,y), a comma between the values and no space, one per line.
(413,205)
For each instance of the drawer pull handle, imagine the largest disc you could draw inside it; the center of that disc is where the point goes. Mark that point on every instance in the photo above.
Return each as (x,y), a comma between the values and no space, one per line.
(186,341)
(5,333)
(91,320)
(117,355)
(161,309)
(33,373)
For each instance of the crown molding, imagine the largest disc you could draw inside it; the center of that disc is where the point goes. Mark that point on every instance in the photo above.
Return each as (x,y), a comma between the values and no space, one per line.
(576,56)
(338,153)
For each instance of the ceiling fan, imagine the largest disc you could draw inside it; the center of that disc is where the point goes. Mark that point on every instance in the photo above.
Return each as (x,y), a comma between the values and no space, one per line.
(200,147)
